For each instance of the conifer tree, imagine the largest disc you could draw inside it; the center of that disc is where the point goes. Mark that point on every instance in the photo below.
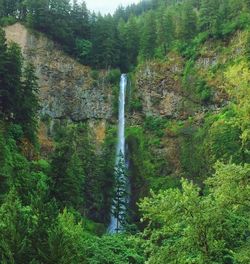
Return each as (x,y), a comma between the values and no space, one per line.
(120,201)
(165,30)
(132,40)
(67,173)
(3,57)
(11,80)
(148,36)
(208,15)
(27,108)
(189,22)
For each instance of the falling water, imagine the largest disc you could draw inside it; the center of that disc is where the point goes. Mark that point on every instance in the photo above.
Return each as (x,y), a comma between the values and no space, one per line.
(115,224)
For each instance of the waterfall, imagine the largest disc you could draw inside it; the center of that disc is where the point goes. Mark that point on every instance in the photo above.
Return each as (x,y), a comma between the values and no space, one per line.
(121,195)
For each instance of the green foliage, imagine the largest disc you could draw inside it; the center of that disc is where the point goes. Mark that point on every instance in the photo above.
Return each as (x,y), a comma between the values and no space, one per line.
(95,74)
(148,36)
(83,49)
(67,171)
(116,249)
(133,34)
(219,138)
(18,90)
(6,163)
(66,241)
(147,170)
(18,224)
(135,105)
(197,88)
(6,21)
(193,157)
(237,86)
(82,177)
(15,131)
(155,125)
(204,91)
(185,227)
(113,76)
(70,243)
(120,200)
(223,141)
(105,52)
(51,210)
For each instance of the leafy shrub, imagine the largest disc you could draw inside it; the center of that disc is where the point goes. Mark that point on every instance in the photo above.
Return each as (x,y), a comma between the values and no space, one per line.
(204,91)
(135,105)
(6,21)
(113,76)
(185,227)
(196,87)
(15,131)
(155,125)
(223,141)
(83,49)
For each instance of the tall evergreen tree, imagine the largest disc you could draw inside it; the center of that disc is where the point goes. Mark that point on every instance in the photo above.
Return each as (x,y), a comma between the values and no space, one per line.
(105,52)
(165,30)
(208,17)
(3,58)
(148,35)
(11,81)
(26,110)
(132,40)
(120,201)
(189,21)
(68,174)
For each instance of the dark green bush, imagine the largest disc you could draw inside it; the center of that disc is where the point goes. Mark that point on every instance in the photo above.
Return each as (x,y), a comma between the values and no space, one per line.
(155,125)
(6,21)
(113,76)
(136,105)
(204,91)
(15,131)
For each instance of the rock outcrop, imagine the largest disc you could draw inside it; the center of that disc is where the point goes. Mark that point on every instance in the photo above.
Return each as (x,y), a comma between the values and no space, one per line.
(159,87)
(67,90)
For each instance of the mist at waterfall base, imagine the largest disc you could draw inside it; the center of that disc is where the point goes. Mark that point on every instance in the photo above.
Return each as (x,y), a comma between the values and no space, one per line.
(116,222)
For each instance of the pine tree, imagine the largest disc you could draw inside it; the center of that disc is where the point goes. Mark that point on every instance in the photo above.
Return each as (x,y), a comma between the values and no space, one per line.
(28,105)
(208,15)
(105,52)
(10,7)
(39,16)
(120,201)
(74,181)
(3,57)
(11,71)
(1,9)
(148,36)
(80,20)
(189,21)
(68,173)
(165,30)
(132,40)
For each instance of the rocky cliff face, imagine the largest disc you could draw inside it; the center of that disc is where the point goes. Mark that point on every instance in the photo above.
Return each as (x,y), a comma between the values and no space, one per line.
(67,90)
(179,95)
(159,87)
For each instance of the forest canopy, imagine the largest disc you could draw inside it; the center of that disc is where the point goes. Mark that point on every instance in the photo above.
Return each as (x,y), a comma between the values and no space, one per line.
(133,34)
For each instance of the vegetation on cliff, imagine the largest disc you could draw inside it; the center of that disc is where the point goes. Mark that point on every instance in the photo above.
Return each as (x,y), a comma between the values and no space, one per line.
(189,164)
(133,34)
